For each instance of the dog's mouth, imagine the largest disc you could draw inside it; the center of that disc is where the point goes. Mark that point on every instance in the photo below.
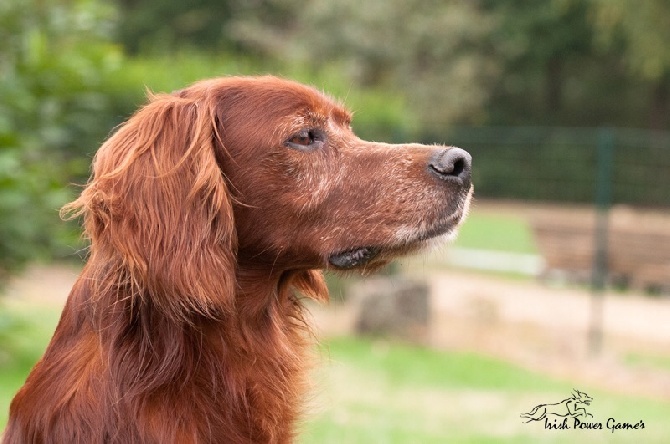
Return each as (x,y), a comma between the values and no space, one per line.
(412,240)
(354,258)
(361,256)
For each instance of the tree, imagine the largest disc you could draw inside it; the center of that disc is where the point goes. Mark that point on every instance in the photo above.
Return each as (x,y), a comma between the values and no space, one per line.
(639,33)
(495,62)
(438,52)
(539,43)
(55,57)
(170,24)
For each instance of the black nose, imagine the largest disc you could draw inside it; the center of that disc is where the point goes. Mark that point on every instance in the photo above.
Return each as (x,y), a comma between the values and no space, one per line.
(452,164)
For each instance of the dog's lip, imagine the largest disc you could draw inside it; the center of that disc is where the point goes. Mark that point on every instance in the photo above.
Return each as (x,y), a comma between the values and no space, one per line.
(361,255)
(445,227)
(358,256)
(354,257)
(439,230)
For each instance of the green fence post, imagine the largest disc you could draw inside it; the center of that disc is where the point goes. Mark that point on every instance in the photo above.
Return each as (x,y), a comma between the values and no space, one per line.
(603,201)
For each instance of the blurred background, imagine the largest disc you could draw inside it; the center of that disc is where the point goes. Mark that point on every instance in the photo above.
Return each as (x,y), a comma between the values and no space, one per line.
(560,277)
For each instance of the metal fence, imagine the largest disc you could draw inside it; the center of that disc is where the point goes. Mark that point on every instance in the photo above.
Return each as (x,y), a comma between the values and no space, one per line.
(603,168)
(617,166)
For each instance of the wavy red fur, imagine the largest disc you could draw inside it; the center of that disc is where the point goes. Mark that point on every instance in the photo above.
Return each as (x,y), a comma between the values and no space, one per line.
(185,325)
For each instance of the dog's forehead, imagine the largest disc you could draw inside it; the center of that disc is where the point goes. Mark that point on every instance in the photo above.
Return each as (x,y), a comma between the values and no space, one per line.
(312,104)
(274,95)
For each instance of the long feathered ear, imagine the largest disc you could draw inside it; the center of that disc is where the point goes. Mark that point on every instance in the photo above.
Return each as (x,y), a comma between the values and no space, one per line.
(158,211)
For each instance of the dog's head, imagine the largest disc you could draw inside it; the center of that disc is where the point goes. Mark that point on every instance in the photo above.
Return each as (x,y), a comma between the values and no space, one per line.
(308,193)
(259,173)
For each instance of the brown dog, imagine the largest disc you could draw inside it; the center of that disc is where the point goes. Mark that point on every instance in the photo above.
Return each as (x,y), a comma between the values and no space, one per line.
(205,210)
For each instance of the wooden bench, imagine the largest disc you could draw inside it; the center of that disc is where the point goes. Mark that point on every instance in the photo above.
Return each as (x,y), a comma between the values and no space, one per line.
(638,248)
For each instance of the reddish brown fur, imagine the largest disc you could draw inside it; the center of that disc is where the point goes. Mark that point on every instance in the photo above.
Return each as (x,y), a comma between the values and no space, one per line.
(184,326)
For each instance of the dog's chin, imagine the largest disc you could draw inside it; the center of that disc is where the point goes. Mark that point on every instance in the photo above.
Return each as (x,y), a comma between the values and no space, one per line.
(405,242)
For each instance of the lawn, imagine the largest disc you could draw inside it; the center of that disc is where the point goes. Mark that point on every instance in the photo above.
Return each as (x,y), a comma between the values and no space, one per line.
(379,392)
(500,232)
(24,334)
(368,391)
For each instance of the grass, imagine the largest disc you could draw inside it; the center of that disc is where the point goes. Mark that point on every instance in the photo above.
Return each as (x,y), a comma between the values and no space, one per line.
(488,232)
(380,392)
(659,362)
(24,334)
(496,232)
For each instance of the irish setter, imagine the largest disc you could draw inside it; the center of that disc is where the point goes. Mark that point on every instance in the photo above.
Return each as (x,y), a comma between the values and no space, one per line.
(209,211)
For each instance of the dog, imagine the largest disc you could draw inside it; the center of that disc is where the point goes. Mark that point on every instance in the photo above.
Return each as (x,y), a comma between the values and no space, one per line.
(209,213)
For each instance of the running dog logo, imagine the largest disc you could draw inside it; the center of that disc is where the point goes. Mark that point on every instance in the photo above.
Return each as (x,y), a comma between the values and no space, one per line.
(572,407)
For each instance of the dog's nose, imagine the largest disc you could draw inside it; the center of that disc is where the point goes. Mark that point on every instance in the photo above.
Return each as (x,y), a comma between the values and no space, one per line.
(452,164)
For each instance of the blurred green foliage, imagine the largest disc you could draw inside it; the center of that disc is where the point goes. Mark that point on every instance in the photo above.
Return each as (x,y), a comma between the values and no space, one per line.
(54,59)
(483,62)
(379,113)
(167,24)
(486,62)
(24,334)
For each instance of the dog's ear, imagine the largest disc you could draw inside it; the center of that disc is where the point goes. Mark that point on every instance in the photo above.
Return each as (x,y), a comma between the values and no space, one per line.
(158,210)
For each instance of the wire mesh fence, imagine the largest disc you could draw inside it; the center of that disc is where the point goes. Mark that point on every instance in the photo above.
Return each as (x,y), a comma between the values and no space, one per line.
(562,164)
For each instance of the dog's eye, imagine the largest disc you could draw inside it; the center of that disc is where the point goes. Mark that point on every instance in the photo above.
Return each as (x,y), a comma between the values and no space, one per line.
(306,140)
